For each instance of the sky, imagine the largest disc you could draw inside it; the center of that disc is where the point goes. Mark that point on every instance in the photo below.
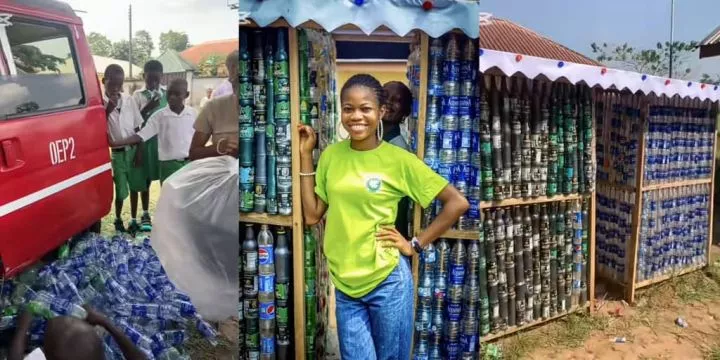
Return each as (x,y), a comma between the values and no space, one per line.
(640,23)
(202,20)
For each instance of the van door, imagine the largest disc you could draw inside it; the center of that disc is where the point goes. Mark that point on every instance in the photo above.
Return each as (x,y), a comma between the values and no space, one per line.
(55,177)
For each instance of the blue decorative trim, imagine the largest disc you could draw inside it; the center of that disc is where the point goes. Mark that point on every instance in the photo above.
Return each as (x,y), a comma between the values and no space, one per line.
(400,16)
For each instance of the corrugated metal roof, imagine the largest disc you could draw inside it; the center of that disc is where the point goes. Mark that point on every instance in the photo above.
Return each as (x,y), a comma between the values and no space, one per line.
(504,35)
(174,63)
(712,38)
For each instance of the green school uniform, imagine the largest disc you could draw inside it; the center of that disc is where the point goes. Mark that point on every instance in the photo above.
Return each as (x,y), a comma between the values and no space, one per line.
(150,170)
(362,190)
(122,163)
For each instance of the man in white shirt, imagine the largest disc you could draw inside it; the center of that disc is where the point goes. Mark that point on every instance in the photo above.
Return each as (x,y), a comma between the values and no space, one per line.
(123,120)
(173,126)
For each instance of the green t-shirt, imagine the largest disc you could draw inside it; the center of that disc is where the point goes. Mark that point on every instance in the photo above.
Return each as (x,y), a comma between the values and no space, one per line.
(362,190)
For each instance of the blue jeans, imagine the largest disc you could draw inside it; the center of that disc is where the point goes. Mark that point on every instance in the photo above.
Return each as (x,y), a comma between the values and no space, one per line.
(379,325)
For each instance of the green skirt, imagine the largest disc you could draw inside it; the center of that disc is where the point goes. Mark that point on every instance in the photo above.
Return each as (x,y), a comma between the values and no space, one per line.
(150,159)
(169,167)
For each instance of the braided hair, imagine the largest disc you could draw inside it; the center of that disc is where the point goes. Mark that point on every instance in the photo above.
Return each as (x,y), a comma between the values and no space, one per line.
(367,81)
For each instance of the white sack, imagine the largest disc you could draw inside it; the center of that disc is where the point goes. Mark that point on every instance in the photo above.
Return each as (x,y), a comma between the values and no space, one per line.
(195,234)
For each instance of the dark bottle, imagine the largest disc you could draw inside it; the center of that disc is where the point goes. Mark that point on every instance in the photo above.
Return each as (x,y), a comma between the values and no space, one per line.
(553,259)
(271,189)
(510,266)
(500,233)
(545,261)
(528,264)
(560,246)
(506,141)
(515,115)
(497,144)
(492,270)
(486,150)
(537,288)
(520,293)
(526,146)
(282,292)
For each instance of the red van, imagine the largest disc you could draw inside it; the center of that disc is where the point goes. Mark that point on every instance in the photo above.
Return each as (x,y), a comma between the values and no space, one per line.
(55,174)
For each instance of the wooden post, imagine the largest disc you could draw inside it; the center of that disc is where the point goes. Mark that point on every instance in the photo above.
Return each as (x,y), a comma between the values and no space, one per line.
(631,267)
(297,245)
(420,141)
(713,107)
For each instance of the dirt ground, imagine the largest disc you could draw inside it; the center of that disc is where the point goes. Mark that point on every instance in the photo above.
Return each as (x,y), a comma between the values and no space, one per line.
(648,328)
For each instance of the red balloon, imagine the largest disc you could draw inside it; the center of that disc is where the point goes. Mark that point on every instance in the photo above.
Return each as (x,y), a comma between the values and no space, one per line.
(518,57)
(667,82)
(427,5)
(603,71)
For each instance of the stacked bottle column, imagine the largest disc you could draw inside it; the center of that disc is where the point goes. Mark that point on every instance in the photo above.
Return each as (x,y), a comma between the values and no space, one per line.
(529,264)
(265,181)
(265,311)
(452,122)
(316,54)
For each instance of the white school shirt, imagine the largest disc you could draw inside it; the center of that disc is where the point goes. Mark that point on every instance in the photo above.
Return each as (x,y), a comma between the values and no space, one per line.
(174,132)
(124,119)
(141,100)
(37,354)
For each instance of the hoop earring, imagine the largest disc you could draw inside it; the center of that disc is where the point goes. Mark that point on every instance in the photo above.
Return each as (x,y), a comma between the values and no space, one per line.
(379,131)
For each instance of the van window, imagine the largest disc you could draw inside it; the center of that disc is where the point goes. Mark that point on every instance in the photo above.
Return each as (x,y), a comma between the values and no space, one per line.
(42,66)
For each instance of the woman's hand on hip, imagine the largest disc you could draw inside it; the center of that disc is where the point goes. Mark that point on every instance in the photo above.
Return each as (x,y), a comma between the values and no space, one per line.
(308,139)
(390,237)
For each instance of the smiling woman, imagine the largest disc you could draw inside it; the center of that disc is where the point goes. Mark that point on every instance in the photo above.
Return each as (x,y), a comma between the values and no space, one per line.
(367,256)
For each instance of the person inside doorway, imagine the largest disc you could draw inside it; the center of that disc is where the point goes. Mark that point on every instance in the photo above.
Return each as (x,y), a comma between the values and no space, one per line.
(218,121)
(358,184)
(398,108)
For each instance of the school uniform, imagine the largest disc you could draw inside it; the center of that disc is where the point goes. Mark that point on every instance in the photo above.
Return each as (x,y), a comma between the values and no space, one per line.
(122,122)
(174,133)
(150,170)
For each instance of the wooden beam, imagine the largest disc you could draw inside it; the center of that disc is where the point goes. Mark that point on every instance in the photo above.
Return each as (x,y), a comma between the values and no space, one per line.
(420,141)
(631,267)
(297,244)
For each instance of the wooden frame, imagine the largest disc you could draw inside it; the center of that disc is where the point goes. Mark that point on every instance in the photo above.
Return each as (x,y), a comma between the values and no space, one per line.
(294,221)
(630,284)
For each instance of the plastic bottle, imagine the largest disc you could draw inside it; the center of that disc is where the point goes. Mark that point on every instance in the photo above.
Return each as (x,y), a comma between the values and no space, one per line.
(266,292)
(250,292)
(282,292)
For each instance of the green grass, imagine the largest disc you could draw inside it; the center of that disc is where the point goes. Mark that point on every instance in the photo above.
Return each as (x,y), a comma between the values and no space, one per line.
(108,227)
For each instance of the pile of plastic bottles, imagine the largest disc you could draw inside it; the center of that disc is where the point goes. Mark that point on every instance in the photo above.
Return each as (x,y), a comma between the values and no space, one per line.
(674,230)
(123,280)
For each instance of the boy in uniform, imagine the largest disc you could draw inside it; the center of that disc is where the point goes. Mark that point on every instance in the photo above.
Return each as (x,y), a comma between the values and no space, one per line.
(149,99)
(123,118)
(173,126)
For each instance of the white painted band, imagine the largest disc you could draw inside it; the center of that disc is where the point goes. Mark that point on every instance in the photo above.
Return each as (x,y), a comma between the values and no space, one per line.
(22,202)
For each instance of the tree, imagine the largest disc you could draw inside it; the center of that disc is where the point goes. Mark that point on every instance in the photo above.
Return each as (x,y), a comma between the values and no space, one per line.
(174,40)
(31,60)
(209,65)
(707,79)
(100,45)
(121,50)
(142,48)
(648,61)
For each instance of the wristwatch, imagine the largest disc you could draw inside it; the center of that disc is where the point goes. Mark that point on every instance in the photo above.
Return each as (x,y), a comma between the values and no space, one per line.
(416,245)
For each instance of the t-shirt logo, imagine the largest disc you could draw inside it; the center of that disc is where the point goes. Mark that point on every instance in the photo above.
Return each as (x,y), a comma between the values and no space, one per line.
(373,184)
